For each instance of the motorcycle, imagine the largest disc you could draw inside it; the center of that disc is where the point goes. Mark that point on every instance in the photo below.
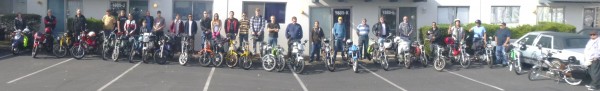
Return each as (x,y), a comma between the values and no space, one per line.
(20,40)
(445,54)
(87,42)
(296,61)
(135,46)
(184,56)
(480,54)
(42,41)
(108,44)
(378,52)
(515,58)
(559,70)
(60,46)
(147,40)
(326,55)
(403,53)
(164,51)
(274,59)
(245,56)
(120,44)
(353,53)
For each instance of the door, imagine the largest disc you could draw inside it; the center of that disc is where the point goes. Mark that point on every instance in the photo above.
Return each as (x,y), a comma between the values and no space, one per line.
(529,40)
(390,17)
(345,14)
(58,10)
(323,15)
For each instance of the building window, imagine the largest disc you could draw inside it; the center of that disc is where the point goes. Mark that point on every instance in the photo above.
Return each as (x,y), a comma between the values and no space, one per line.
(550,14)
(446,15)
(591,17)
(196,8)
(506,14)
(268,9)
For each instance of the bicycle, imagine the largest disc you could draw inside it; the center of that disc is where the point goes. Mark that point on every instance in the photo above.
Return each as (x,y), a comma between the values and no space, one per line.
(231,57)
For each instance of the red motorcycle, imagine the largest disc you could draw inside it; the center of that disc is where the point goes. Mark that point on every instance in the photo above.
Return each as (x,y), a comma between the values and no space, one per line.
(42,40)
(87,42)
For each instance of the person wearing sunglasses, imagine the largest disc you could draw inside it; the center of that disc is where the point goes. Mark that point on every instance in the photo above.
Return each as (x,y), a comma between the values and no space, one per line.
(502,39)
(592,53)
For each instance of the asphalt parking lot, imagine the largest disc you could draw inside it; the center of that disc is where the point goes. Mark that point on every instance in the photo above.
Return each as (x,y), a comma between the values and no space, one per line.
(47,73)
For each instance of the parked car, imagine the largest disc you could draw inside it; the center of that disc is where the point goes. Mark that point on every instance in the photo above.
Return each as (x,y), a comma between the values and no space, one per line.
(563,44)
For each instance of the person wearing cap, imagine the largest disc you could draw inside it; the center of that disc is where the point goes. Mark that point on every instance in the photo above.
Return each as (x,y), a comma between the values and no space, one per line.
(456,32)
(479,33)
(293,33)
(362,30)
(502,39)
(339,30)
(591,57)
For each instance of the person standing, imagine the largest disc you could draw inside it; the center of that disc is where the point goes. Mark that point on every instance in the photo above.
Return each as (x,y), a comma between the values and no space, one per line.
(479,34)
(293,33)
(457,34)
(176,28)
(205,25)
(316,34)
(435,38)
(381,30)
(109,22)
(257,24)
(273,29)
(50,21)
(190,29)
(244,27)
(406,29)
(362,30)
(20,24)
(592,55)
(159,25)
(121,21)
(232,25)
(502,39)
(216,25)
(339,30)
(148,20)
(79,24)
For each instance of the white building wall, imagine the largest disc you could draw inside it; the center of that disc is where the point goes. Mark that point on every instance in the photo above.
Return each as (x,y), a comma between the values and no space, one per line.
(37,7)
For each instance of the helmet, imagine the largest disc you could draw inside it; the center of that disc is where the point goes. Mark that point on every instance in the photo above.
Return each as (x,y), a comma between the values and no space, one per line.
(478,21)
(349,42)
(572,59)
(449,40)
(47,30)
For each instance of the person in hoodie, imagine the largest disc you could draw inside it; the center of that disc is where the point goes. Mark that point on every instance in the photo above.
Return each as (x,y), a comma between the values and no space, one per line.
(293,33)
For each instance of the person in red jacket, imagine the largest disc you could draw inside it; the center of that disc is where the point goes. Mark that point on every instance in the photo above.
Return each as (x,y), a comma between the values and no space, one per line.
(49,25)
(175,29)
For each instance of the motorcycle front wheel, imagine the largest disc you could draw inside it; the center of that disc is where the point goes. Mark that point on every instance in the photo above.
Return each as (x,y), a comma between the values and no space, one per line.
(439,64)
(78,51)
(246,63)
(329,63)
(233,60)
(280,64)
(298,66)
(268,62)
(534,73)
(59,51)
(204,60)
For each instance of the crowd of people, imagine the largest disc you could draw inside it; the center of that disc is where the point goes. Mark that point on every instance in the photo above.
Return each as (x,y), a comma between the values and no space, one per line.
(210,29)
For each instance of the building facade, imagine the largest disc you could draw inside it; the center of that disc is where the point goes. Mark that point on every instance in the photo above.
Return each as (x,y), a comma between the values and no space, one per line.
(580,13)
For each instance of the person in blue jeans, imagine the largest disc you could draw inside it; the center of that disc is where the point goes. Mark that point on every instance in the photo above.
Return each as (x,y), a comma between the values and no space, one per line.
(339,30)
(273,29)
(293,33)
(316,34)
(479,34)
(362,31)
(502,39)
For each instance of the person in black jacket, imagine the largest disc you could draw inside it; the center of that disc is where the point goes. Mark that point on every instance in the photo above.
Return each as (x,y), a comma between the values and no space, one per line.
(20,24)
(381,30)
(205,28)
(49,22)
(79,24)
(190,29)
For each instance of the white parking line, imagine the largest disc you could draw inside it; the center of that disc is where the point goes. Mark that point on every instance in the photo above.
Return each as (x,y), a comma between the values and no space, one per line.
(476,81)
(118,77)
(386,80)
(300,81)
(212,71)
(15,80)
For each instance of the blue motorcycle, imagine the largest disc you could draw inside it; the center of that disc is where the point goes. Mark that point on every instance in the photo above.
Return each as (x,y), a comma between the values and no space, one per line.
(135,46)
(19,41)
(353,53)
(163,52)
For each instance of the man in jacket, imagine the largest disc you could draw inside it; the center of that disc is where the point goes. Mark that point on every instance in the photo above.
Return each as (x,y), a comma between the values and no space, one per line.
(316,34)
(257,24)
(231,26)
(339,30)
(293,33)
(381,30)
(79,24)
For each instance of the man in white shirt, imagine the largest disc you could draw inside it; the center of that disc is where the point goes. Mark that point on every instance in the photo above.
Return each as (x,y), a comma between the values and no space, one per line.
(592,54)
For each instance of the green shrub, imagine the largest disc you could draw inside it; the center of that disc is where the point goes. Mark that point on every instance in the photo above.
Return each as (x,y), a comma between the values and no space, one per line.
(521,30)
(92,24)
(553,26)
(33,21)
